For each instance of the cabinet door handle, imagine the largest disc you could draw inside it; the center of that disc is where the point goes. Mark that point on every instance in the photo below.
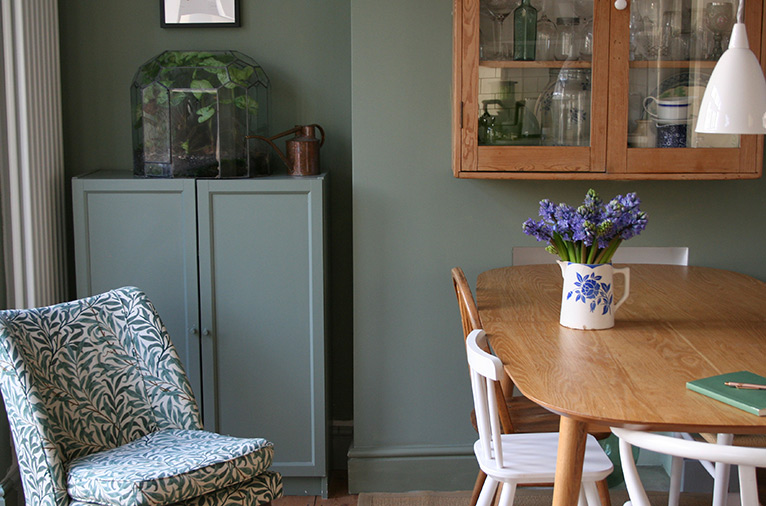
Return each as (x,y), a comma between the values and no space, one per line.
(620,4)
(194,330)
(206,332)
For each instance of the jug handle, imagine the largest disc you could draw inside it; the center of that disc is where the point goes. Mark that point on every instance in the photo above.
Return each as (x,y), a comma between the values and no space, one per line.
(321,130)
(625,271)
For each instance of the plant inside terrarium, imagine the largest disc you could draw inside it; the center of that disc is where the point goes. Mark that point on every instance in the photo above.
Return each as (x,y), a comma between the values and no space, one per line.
(193,111)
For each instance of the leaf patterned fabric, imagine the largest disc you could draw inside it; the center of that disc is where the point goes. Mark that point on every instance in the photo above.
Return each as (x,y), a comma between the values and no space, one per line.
(85,377)
(167,466)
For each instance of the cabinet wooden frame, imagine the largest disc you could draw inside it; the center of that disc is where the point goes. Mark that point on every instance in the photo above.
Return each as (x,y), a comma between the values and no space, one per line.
(608,156)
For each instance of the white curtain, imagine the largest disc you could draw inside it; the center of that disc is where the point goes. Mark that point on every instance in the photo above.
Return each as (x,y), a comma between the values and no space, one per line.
(32,170)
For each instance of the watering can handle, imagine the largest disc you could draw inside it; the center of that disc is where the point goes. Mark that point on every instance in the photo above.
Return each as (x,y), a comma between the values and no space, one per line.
(321,130)
(270,142)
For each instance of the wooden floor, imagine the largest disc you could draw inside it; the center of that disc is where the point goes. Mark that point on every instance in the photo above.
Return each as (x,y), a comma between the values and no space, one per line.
(338,495)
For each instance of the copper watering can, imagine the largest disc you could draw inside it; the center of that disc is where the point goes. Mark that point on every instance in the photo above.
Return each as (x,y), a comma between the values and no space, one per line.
(302,150)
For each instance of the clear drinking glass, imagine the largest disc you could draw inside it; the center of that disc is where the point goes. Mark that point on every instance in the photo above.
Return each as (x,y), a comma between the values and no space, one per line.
(546,38)
(567,46)
(498,11)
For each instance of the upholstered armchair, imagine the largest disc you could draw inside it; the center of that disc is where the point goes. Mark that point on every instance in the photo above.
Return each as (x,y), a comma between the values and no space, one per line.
(102,412)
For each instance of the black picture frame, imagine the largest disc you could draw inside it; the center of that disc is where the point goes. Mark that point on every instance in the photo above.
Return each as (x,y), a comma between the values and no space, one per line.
(195,19)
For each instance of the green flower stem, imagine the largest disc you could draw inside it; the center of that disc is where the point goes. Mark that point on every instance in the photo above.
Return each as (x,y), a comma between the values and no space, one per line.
(571,250)
(606,255)
(593,252)
(560,247)
(583,252)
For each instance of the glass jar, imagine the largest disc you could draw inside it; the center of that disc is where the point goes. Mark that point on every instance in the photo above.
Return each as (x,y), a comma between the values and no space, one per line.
(546,39)
(567,47)
(570,108)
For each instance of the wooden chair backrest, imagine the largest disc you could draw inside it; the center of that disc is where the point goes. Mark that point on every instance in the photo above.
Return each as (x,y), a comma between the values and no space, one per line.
(469,315)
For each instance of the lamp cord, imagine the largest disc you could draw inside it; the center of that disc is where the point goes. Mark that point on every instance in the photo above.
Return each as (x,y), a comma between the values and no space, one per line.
(741,12)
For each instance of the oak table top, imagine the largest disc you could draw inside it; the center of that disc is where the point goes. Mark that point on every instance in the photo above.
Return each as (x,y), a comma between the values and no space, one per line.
(678,324)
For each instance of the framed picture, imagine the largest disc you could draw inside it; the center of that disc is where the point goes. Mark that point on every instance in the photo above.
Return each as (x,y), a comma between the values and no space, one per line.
(199,13)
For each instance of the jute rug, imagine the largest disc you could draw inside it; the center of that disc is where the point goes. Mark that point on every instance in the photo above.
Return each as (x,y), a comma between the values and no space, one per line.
(524,497)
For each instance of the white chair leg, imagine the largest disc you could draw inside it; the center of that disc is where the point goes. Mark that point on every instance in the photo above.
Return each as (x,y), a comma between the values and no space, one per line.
(591,493)
(674,493)
(487,494)
(507,494)
(582,500)
(748,487)
(636,491)
(721,474)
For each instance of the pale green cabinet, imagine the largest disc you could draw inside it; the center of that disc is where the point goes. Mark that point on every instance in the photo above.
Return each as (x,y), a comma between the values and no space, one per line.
(236,269)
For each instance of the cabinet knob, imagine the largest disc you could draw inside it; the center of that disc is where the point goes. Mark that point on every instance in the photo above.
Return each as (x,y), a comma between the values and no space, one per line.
(194,330)
(206,332)
(620,4)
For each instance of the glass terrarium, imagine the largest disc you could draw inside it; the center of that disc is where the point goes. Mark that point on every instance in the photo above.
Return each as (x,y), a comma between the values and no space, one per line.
(193,112)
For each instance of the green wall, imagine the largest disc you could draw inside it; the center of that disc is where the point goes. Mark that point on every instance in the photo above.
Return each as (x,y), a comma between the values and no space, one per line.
(413,222)
(304,47)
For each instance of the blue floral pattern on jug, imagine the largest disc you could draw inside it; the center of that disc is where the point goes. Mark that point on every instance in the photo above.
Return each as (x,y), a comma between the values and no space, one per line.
(591,290)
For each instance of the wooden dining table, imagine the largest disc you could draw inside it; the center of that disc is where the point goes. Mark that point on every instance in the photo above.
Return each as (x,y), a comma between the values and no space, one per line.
(678,324)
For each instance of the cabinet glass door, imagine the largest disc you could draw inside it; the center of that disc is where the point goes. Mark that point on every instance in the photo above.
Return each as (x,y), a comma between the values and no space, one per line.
(674,45)
(672,48)
(538,90)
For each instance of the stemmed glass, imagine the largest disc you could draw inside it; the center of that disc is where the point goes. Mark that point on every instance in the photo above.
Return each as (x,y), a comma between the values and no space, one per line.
(498,10)
(719,18)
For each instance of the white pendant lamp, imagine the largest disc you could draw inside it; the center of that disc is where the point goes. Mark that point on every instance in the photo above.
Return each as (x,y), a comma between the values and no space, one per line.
(735,97)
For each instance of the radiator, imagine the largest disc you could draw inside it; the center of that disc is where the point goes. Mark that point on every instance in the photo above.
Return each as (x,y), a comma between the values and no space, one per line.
(34,183)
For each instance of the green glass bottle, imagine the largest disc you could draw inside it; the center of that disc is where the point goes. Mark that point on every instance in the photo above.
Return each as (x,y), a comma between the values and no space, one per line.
(524,32)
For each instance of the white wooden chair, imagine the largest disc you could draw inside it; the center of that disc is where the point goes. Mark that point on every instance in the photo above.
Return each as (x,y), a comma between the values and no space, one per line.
(747,458)
(514,459)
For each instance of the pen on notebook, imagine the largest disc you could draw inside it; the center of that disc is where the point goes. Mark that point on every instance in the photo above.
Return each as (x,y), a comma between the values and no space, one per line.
(747,386)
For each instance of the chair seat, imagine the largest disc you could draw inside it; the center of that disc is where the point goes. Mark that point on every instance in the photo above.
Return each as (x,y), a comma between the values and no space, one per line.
(534,459)
(167,467)
(529,416)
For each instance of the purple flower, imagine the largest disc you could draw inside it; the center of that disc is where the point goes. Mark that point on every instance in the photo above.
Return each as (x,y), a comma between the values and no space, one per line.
(590,232)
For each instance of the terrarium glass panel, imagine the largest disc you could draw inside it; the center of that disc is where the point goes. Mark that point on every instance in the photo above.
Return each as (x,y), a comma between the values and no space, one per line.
(193,114)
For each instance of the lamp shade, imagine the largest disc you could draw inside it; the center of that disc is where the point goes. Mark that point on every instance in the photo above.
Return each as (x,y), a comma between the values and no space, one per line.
(735,97)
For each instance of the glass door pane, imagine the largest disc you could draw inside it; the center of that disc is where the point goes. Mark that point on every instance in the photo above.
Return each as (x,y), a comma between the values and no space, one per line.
(535,72)
(674,45)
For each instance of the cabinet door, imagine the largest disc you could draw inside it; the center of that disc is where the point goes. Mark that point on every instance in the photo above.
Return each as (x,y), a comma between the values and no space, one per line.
(662,55)
(543,115)
(143,233)
(262,315)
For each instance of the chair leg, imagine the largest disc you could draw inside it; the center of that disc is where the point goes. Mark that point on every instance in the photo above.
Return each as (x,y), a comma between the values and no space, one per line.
(593,493)
(722,473)
(507,494)
(487,492)
(748,491)
(480,479)
(676,469)
(603,493)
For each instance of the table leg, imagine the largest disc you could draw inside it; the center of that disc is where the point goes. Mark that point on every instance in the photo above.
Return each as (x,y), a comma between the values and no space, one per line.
(571,452)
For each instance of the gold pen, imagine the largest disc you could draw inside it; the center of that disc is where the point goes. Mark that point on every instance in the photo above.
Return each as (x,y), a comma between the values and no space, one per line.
(746,386)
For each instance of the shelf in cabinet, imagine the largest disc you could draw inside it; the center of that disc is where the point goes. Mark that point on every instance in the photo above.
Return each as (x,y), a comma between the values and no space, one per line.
(672,64)
(510,64)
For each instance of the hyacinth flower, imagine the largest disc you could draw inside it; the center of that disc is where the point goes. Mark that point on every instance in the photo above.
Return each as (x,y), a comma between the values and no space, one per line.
(590,233)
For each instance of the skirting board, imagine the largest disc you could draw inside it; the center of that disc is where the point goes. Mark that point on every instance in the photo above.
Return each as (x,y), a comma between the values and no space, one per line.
(409,468)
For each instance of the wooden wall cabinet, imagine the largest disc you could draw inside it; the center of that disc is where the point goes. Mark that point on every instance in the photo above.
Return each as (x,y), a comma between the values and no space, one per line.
(236,270)
(620,79)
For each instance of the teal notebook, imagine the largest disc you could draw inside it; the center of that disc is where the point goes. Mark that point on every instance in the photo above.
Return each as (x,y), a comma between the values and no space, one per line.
(752,401)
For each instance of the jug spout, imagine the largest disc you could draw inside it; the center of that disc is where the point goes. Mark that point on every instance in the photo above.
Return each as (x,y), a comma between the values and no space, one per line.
(563,266)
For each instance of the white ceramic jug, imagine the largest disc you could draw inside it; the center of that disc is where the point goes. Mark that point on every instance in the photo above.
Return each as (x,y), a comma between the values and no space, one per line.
(587,299)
